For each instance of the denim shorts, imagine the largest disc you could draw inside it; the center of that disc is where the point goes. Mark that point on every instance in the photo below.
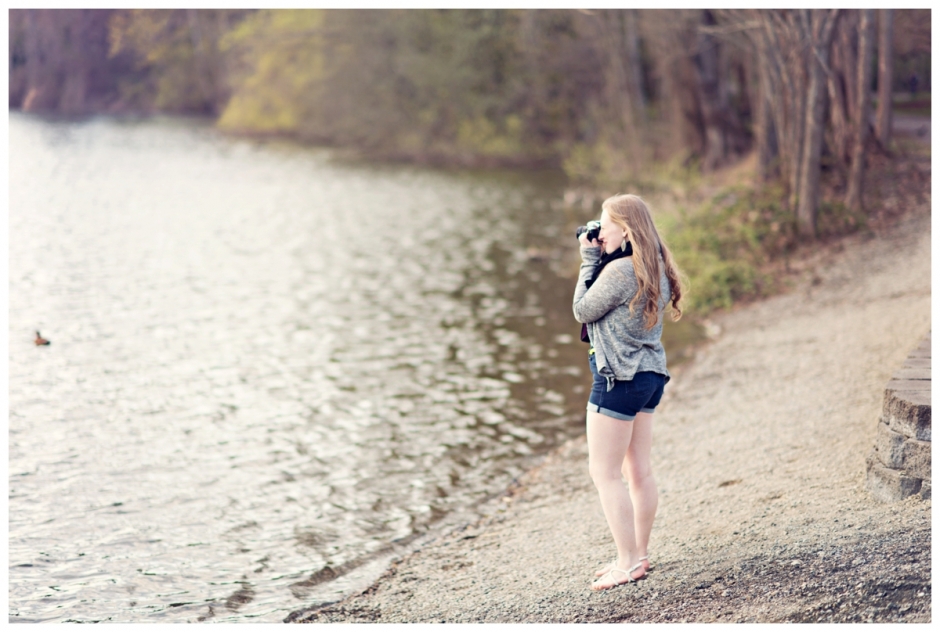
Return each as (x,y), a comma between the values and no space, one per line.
(627,398)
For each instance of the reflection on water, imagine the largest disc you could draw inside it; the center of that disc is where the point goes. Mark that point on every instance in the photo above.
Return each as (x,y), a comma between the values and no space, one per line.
(267,367)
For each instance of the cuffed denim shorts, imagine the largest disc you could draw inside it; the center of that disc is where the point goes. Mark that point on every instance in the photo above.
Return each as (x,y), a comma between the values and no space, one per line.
(627,398)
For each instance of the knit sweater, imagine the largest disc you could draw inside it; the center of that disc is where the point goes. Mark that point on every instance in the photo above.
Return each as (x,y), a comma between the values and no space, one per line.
(622,345)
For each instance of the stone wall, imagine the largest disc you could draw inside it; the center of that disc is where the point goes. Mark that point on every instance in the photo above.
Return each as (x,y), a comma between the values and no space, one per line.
(899,464)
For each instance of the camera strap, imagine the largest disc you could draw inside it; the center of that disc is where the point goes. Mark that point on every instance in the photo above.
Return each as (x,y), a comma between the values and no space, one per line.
(605,259)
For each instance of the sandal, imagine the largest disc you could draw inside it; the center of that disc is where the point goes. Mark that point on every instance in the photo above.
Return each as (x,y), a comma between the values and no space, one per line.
(603,571)
(629,574)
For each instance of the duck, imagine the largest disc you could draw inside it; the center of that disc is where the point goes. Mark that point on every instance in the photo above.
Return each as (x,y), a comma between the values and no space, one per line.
(40,340)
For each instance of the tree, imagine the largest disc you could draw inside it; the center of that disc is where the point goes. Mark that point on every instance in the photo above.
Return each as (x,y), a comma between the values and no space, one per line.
(59,61)
(621,103)
(885,77)
(779,41)
(818,26)
(179,66)
(694,69)
(720,126)
(853,197)
(276,65)
(841,81)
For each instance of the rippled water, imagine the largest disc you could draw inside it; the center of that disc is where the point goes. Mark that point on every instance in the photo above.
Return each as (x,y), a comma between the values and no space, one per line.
(268,367)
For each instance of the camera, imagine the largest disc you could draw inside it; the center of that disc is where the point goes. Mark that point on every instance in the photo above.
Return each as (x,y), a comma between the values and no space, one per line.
(593,229)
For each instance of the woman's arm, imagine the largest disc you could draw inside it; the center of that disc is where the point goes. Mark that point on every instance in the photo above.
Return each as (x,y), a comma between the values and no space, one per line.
(607,292)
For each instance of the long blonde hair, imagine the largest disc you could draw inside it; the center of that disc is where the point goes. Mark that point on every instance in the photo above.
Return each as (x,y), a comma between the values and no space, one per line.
(631,213)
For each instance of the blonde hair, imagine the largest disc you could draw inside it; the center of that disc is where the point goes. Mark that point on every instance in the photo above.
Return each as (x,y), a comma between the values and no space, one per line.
(631,213)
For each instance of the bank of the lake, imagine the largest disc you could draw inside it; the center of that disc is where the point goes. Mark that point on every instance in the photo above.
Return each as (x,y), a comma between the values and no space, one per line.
(759,452)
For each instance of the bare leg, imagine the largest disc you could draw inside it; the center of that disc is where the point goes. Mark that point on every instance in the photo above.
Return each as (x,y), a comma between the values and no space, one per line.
(643,493)
(639,474)
(608,443)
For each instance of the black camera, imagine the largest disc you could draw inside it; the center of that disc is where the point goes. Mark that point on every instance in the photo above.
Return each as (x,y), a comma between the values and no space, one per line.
(593,229)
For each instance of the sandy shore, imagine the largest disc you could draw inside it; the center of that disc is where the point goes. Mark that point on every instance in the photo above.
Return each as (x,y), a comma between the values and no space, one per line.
(759,452)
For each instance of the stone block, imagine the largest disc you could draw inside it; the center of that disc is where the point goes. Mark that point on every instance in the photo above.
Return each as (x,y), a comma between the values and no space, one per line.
(889,447)
(920,353)
(925,490)
(917,363)
(908,412)
(908,373)
(908,385)
(889,485)
(915,458)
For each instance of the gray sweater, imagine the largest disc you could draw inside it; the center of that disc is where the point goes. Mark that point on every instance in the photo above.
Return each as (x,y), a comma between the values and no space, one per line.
(622,345)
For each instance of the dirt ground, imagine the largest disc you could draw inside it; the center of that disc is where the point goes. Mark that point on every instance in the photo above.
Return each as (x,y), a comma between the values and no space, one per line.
(759,452)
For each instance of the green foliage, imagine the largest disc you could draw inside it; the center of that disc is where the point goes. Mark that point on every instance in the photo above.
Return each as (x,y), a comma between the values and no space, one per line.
(179,65)
(484,137)
(281,62)
(459,85)
(835,218)
(604,166)
(724,244)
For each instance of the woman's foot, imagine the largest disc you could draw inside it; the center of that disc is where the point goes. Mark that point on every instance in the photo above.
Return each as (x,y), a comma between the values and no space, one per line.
(616,576)
(645,560)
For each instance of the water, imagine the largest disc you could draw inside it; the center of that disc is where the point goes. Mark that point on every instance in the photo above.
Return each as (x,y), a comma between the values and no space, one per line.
(270,369)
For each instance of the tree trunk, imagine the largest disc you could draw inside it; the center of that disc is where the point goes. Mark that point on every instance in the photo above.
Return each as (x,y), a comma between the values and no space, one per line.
(765,130)
(839,97)
(885,78)
(673,31)
(802,104)
(634,69)
(44,60)
(848,52)
(853,197)
(721,129)
(820,26)
(75,62)
(709,95)
(201,64)
(780,40)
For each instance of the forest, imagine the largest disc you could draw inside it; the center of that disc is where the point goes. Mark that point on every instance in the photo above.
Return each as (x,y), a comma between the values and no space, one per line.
(606,95)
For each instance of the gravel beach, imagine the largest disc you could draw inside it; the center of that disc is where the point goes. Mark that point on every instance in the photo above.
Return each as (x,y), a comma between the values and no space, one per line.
(759,452)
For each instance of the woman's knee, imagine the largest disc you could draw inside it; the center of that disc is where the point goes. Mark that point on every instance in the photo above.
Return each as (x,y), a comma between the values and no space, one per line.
(636,472)
(603,473)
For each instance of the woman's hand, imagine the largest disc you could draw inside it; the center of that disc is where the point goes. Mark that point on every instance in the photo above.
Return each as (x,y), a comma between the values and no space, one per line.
(584,242)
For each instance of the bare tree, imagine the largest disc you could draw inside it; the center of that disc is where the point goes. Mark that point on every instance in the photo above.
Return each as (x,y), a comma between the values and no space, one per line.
(841,80)
(673,34)
(711,90)
(635,73)
(42,57)
(818,25)
(780,44)
(765,131)
(885,78)
(617,30)
(853,197)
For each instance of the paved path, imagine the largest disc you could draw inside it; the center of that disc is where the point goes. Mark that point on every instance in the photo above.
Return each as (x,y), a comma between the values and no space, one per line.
(908,125)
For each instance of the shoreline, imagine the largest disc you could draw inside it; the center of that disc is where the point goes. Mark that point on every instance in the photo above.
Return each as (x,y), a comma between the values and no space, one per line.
(759,454)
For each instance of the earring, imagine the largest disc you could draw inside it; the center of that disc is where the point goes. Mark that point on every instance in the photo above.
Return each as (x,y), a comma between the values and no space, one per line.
(623,246)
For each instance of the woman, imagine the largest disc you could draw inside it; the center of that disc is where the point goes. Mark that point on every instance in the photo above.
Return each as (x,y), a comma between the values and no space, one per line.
(621,297)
